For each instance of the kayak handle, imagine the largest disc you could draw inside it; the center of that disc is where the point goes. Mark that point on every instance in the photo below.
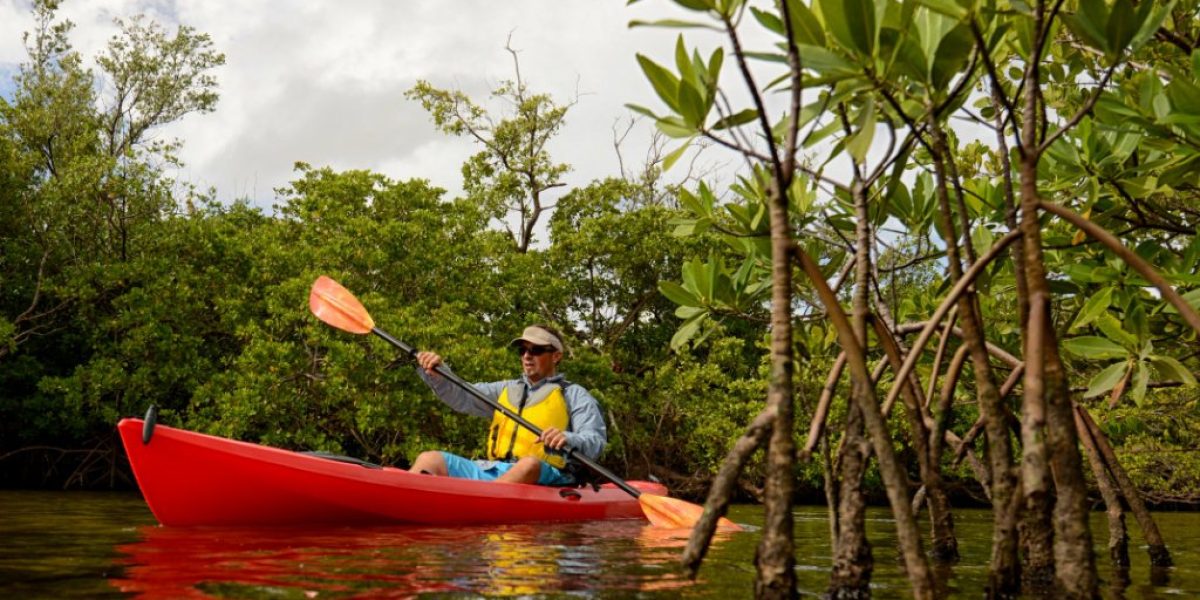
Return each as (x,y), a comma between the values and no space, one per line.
(148,424)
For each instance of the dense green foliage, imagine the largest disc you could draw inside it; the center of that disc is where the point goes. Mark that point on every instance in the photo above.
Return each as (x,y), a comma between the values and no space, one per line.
(1120,96)
(119,290)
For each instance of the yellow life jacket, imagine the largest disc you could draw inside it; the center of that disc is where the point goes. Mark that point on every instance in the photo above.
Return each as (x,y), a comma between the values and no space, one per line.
(544,407)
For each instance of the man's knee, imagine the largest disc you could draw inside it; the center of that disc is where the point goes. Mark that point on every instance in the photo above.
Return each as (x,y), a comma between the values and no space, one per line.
(532,467)
(527,469)
(431,462)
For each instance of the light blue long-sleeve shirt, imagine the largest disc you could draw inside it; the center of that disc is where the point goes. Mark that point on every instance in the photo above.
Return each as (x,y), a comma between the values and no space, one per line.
(587,432)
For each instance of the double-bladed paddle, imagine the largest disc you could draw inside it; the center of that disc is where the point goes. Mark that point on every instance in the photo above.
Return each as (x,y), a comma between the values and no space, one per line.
(336,306)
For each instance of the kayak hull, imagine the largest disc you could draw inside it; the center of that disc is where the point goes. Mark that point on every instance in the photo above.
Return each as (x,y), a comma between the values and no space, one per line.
(193,479)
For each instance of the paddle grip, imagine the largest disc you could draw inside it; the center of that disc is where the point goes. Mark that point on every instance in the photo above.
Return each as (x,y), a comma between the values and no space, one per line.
(470,389)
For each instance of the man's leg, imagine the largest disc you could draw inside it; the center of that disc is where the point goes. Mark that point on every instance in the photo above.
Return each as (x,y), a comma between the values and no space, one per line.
(431,462)
(526,470)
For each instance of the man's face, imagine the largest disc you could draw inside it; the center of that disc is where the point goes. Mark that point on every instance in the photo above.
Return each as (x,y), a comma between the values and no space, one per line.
(538,362)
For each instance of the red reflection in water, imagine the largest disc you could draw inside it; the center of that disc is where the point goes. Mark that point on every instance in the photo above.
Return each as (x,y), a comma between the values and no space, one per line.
(181,563)
(402,561)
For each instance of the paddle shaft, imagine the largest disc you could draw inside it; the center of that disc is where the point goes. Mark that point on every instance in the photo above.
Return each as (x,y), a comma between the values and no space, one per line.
(470,389)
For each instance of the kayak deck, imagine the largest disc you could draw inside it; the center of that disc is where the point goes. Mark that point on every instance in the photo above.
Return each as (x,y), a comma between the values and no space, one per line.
(193,479)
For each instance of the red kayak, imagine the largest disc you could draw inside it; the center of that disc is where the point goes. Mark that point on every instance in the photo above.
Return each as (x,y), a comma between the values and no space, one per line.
(193,479)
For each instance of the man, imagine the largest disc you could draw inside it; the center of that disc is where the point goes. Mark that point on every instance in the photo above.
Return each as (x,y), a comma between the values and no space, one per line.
(565,412)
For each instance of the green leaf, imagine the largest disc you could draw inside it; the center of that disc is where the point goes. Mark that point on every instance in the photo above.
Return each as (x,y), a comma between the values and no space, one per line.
(674,24)
(700,279)
(1137,322)
(932,26)
(982,239)
(1089,24)
(769,20)
(675,127)
(691,105)
(825,62)
(852,23)
(687,331)
(715,60)
(641,110)
(684,227)
(1192,298)
(697,5)
(1113,329)
(1170,369)
(665,83)
(740,118)
(1082,273)
(701,204)
(805,25)
(1092,309)
(952,56)
(675,155)
(861,15)
(1154,15)
(684,64)
(817,135)
(1121,27)
(1141,379)
(1107,379)
(860,141)
(1184,96)
(1094,347)
(908,58)
(948,8)
(712,277)
(773,57)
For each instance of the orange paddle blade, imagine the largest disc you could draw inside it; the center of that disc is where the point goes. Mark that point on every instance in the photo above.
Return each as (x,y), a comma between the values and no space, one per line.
(335,305)
(663,511)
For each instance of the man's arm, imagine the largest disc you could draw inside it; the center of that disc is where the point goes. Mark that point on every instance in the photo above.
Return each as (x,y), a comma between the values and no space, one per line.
(458,398)
(588,434)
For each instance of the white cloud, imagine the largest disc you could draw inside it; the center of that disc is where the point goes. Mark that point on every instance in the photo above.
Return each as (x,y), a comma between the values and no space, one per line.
(324,82)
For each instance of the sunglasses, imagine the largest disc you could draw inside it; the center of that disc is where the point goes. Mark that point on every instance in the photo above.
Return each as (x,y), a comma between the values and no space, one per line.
(534,351)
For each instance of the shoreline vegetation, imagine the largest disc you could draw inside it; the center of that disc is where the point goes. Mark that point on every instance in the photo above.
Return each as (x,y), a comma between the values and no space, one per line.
(63,469)
(1008,321)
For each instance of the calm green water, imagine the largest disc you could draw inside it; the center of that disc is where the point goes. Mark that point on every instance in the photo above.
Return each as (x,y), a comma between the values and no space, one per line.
(87,545)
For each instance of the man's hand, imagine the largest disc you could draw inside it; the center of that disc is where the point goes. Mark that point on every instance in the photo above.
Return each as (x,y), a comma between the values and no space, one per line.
(553,438)
(429,361)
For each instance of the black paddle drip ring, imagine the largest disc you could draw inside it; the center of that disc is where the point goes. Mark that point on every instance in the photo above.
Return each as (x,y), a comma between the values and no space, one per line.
(148,425)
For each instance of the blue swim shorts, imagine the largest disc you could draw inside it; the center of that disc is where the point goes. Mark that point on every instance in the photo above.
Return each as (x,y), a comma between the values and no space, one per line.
(489,470)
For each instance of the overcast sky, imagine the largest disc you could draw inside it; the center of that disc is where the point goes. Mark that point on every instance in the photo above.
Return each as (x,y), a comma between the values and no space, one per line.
(323,82)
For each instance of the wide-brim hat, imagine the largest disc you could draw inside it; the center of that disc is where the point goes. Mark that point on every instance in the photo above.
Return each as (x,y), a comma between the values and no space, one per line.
(536,335)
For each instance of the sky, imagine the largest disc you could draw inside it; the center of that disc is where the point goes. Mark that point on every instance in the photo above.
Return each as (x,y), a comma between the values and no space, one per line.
(323,82)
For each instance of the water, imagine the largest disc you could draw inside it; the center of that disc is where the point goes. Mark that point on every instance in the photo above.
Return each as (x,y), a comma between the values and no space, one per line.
(97,545)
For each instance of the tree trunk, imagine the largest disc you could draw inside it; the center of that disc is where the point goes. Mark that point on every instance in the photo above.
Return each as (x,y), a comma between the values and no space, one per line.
(831,493)
(944,546)
(1036,529)
(894,479)
(1003,567)
(1075,567)
(850,576)
(775,559)
(1118,537)
(853,562)
(1159,555)
(722,489)
(1049,430)
(817,428)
